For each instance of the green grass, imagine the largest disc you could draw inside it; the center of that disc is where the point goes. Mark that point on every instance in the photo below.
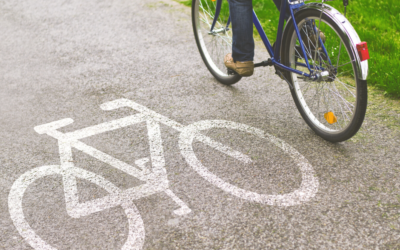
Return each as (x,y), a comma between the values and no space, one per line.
(376,22)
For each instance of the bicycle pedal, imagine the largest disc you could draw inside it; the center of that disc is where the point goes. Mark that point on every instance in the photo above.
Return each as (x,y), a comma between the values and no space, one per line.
(231,72)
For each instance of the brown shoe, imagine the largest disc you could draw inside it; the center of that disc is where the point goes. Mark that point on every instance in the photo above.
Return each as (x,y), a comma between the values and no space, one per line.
(242,68)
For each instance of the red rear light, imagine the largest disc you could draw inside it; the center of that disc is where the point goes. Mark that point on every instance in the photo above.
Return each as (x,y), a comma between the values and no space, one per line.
(362,49)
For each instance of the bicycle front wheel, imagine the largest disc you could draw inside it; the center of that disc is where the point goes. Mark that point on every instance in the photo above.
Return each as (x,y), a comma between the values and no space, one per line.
(333,106)
(213,45)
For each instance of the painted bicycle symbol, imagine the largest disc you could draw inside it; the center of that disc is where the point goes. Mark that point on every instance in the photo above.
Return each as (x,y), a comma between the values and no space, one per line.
(155,177)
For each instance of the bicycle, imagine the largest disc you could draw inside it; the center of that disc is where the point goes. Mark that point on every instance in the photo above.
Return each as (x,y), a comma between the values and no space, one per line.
(155,177)
(327,79)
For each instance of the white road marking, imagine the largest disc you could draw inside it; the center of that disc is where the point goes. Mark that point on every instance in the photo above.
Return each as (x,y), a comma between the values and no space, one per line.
(308,187)
(154,176)
(136,234)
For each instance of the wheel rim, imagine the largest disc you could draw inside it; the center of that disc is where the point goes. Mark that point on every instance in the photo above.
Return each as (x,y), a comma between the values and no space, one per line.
(338,94)
(213,46)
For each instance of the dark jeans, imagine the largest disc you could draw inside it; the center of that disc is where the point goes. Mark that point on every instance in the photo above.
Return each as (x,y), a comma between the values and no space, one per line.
(242,28)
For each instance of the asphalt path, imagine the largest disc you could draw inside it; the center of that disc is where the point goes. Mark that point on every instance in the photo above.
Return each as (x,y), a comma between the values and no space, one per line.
(159,184)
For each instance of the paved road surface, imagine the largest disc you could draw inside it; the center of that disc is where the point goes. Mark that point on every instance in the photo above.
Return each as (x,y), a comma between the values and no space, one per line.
(64,58)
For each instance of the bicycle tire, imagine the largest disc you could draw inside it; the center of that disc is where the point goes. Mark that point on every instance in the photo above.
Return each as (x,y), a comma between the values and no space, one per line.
(306,191)
(213,46)
(342,93)
(135,238)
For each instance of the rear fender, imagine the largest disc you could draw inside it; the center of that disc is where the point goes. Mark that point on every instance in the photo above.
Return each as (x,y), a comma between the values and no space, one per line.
(345,26)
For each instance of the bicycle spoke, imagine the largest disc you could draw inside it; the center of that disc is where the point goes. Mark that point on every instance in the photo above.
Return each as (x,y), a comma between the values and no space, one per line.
(345,64)
(218,44)
(336,94)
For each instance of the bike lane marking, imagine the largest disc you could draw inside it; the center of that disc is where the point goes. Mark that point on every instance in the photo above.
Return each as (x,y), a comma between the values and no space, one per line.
(159,182)
(136,233)
(309,184)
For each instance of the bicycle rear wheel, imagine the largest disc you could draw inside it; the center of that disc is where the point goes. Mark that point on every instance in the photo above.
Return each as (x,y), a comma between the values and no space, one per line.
(333,107)
(213,45)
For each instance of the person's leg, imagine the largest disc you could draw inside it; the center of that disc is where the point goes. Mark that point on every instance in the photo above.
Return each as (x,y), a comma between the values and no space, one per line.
(241,12)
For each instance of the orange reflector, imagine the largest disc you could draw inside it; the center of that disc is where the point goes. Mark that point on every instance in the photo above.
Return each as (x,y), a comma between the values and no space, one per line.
(330,117)
(213,0)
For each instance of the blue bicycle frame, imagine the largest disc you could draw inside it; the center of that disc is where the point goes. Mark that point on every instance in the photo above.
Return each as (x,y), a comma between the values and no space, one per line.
(274,54)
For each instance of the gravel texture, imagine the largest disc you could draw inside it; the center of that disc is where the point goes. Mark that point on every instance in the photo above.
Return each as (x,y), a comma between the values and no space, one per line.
(64,58)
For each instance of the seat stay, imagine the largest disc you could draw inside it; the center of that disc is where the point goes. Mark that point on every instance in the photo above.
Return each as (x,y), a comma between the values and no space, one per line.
(296,28)
(322,46)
